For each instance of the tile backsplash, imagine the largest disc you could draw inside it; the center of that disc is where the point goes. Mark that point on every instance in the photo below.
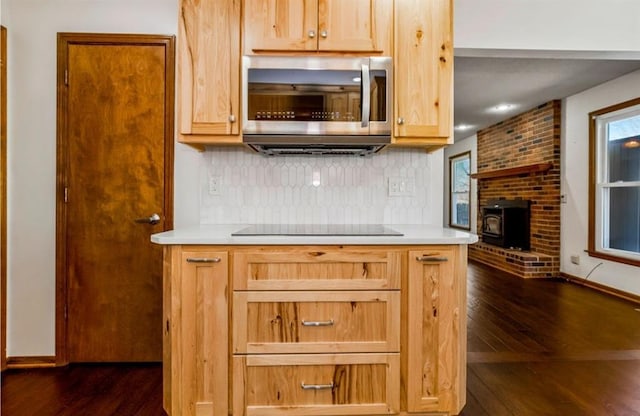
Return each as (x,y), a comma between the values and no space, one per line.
(397,186)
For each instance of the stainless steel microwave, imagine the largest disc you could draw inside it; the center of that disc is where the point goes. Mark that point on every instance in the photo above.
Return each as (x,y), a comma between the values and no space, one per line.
(317,101)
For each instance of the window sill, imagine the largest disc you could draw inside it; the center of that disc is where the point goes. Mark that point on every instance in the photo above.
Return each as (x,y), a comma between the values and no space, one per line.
(460,227)
(611,257)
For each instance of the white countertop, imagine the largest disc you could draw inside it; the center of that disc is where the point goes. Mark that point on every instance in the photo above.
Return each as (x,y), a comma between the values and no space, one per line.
(220,234)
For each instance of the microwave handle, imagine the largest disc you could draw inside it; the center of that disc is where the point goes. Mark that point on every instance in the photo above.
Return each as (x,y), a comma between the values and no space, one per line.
(366,95)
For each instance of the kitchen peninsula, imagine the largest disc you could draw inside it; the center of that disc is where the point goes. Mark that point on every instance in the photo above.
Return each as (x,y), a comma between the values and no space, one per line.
(314,324)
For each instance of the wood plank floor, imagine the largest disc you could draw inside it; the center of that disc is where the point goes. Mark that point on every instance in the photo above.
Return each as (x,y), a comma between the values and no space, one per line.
(548,347)
(536,347)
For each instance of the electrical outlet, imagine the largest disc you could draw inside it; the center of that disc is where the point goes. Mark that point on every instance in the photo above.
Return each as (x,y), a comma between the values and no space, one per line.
(399,186)
(575,259)
(215,183)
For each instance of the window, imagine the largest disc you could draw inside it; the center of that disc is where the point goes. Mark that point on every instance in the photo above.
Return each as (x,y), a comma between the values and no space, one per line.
(460,191)
(614,194)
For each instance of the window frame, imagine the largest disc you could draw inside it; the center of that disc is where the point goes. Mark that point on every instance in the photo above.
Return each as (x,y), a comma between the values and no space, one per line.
(452,159)
(597,168)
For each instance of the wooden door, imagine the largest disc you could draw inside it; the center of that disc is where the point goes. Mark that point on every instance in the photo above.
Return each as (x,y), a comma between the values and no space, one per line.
(114,172)
(423,62)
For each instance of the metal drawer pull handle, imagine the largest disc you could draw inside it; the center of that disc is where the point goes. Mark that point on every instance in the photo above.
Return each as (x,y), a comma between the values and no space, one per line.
(316,386)
(431,259)
(203,260)
(317,323)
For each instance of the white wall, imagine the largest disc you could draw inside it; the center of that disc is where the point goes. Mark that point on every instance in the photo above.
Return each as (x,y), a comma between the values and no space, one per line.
(470,144)
(564,25)
(32,26)
(575,184)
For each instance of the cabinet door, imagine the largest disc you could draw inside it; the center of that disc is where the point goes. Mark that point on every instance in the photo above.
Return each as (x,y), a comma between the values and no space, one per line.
(204,333)
(209,68)
(317,25)
(436,330)
(354,26)
(280,25)
(423,62)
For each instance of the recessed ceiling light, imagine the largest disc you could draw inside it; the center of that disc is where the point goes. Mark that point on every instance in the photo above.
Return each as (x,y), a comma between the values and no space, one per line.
(502,108)
(356,79)
(463,127)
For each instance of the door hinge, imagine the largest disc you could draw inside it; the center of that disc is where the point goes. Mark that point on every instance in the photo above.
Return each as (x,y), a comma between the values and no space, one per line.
(66,77)
(66,194)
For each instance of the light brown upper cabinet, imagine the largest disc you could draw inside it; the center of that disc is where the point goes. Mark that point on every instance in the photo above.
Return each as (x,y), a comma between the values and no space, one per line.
(354,26)
(209,71)
(423,64)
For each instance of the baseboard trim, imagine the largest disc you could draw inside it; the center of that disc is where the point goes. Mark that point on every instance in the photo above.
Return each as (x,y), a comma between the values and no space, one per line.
(31,362)
(602,288)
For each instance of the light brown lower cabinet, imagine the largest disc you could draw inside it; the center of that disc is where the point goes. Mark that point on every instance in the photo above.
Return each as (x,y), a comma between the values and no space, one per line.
(314,330)
(316,384)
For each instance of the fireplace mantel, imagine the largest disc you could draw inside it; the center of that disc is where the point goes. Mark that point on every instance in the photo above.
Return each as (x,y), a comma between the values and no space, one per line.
(500,173)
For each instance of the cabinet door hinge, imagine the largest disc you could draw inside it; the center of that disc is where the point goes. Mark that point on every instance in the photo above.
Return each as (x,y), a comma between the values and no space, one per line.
(66,77)
(66,194)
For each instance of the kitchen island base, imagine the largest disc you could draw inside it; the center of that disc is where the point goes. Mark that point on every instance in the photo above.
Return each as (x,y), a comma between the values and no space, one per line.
(255,330)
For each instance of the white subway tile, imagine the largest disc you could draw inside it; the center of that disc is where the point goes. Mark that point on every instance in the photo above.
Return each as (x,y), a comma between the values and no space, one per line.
(258,189)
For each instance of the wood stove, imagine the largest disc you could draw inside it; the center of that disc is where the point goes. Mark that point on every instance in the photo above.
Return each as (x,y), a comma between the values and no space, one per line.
(505,223)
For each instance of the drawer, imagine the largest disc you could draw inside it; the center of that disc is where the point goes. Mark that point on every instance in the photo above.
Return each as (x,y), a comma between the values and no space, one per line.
(341,384)
(316,322)
(316,268)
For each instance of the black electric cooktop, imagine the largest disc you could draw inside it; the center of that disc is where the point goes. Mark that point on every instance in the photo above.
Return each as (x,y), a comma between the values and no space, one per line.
(317,230)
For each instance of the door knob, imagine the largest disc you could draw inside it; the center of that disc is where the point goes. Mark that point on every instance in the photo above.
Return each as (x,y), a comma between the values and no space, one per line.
(153,219)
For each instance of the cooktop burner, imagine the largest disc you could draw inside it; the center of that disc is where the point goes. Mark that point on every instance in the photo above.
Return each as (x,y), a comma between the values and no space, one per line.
(317,230)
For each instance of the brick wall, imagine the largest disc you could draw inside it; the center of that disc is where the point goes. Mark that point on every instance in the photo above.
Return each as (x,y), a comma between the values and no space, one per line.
(527,139)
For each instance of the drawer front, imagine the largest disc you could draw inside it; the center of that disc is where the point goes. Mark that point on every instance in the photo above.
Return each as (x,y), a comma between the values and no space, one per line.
(316,322)
(342,384)
(316,268)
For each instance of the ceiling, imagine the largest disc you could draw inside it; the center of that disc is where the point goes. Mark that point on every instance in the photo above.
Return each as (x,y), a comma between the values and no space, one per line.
(482,82)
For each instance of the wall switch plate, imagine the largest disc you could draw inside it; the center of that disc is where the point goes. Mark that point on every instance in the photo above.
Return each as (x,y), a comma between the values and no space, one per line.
(575,259)
(215,183)
(400,186)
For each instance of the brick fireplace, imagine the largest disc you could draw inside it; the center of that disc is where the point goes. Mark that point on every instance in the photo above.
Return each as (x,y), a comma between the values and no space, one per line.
(518,164)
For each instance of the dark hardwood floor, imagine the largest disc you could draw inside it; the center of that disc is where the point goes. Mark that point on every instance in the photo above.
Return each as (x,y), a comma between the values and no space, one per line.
(536,347)
(84,390)
(548,347)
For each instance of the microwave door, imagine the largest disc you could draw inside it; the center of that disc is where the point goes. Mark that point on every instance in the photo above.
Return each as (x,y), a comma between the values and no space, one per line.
(320,96)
